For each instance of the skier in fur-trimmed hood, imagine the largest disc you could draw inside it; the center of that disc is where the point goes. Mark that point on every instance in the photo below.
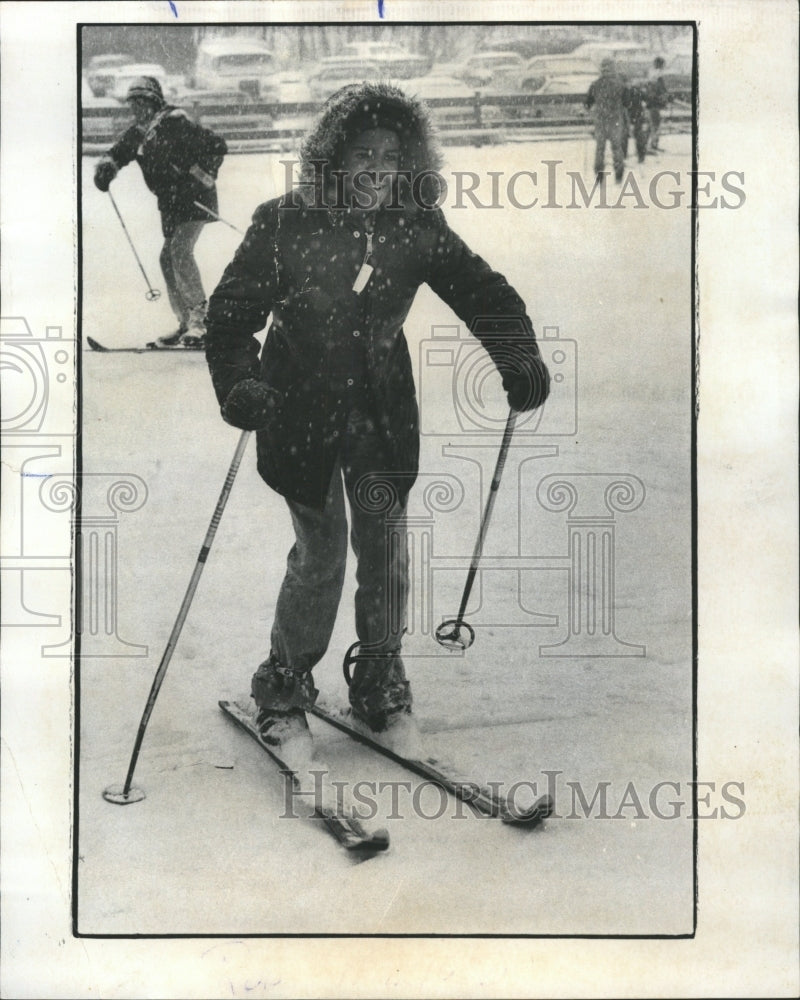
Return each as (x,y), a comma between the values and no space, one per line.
(337,262)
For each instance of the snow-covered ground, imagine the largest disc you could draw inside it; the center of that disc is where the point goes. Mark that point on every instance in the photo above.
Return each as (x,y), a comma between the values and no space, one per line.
(207,851)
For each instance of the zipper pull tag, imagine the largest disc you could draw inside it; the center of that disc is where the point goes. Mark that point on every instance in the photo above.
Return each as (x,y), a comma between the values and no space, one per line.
(365,273)
(362,278)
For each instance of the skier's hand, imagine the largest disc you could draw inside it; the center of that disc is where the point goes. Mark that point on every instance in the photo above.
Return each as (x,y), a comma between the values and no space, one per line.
(251,404)
(529,386)
(104,174)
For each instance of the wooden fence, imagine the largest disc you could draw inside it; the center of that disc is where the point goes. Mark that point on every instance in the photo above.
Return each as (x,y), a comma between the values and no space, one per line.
(483,119)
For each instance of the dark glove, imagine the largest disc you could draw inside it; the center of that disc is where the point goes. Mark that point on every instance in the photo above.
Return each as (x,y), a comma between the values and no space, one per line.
(529,386)
(250,405)
(104,174)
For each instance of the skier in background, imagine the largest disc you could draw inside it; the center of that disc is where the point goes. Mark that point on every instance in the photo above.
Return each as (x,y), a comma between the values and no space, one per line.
(605,96)
(337,261)
(636,119)
(179,161)
(657,99)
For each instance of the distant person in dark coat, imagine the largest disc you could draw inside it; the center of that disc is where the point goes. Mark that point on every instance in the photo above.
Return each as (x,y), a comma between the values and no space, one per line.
(605,98)
(337,262)
(636,119)
(179,160)
(657,98)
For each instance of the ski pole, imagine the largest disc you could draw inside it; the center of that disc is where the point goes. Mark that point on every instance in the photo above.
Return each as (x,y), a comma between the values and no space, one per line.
(125,794)
(209,182)
(448,633)
(152,293)
(219,218)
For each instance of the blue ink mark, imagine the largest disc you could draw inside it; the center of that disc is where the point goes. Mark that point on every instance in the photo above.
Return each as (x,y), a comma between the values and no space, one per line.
(380,8)
(38,475)
(173,8)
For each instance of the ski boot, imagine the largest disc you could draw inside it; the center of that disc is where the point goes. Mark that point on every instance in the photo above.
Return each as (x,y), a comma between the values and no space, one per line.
(380,702)
(193,338)
(169,340)
(282,695)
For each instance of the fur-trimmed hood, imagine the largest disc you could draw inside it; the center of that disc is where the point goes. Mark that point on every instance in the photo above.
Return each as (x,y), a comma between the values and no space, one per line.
(357,107)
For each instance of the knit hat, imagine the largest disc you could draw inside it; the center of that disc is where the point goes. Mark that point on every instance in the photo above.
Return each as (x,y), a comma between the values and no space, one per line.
(147,88)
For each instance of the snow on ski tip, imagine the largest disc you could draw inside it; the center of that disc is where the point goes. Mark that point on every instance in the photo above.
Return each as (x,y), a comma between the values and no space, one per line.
(348,831)
(481,797)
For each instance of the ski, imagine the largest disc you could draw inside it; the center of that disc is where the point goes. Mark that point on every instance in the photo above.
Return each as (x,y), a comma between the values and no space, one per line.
(348,831)
(150,348)
(483,797)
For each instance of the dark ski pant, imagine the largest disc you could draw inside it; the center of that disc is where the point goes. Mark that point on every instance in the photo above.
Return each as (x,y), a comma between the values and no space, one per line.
(639,129)
(309,596)
(181,274)
(609,131)
(655,127)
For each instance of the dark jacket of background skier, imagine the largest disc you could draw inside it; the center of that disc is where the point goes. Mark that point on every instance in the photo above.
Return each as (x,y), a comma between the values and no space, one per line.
(166,150)
(606,95)
(656,93)
(329,348)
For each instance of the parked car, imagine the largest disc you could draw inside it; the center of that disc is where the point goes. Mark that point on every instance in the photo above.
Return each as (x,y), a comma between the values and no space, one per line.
(100,71)
(498,71)
(523,46)
(224,111)
(568,83)
(336,71)
(559,40)
(631,58)
(239,63)
(123,76)
(679,73)
(597,51)
(291,87)
(96,126)
(541,68)
(563,95)
(90,100)
(437,85)
(201,99)
(392,60)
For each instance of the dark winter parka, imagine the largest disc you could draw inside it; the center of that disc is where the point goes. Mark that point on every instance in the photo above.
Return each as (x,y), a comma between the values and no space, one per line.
(606,95)
(168,150)
(330,348)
